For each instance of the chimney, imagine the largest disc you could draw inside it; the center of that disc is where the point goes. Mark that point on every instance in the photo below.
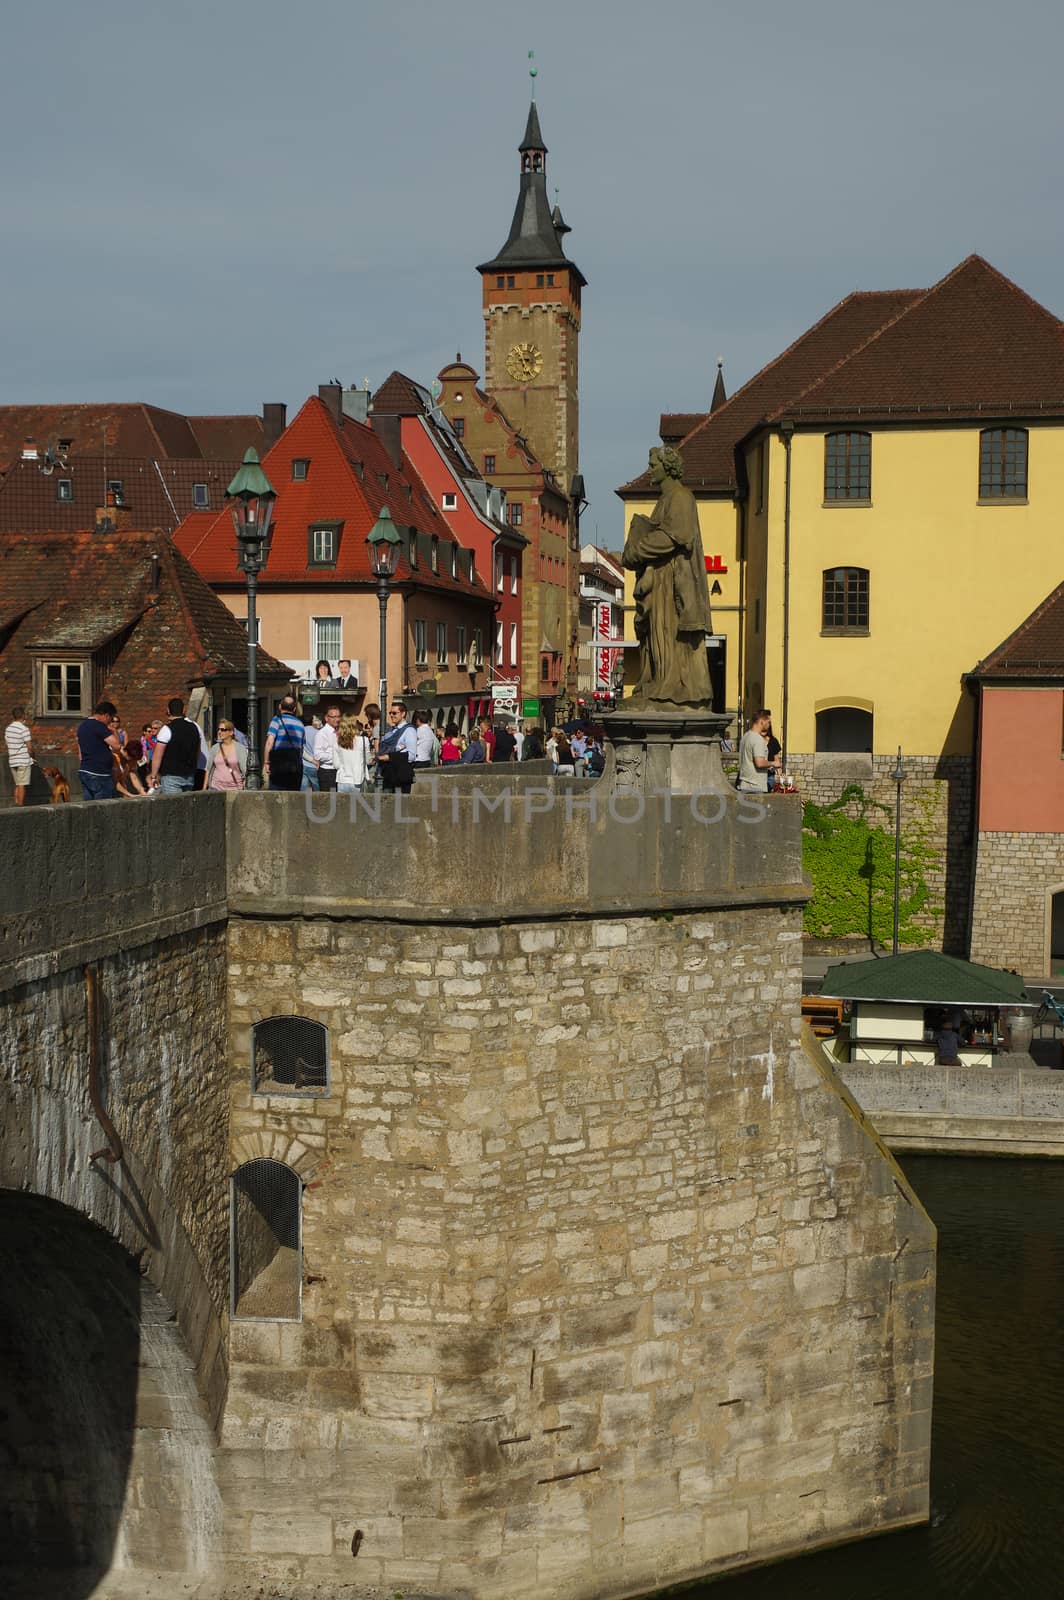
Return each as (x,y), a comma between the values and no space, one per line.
(112,518)
(389,431)
(274,421)
(331,395)
(29,450)
(356,404)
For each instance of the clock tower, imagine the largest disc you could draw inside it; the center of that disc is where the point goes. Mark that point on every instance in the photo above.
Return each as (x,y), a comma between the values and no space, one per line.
(532,320)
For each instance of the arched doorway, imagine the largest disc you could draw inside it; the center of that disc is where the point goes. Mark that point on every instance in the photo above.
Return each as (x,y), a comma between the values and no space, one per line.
(109,1459)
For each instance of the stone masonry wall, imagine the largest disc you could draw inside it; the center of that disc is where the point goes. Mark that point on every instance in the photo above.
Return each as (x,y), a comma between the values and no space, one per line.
(164,1038)
(936,805)
(606,1284)
(1013,873)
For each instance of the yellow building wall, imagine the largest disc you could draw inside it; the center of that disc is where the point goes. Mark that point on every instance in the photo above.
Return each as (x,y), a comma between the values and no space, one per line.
(949,579)
(719,522)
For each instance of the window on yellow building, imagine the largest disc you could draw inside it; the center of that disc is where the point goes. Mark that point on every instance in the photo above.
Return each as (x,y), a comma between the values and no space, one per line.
(845,600)
(1003,464)
(848,466)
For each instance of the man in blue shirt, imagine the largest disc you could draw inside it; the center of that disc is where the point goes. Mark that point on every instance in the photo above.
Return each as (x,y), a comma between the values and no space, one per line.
(97,747)
(397,750)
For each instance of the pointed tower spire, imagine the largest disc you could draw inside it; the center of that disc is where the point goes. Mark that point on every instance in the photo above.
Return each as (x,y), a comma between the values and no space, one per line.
(535,237)
(720,394)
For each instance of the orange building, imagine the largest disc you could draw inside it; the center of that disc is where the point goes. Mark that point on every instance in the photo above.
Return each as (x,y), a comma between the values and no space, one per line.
(1018,869)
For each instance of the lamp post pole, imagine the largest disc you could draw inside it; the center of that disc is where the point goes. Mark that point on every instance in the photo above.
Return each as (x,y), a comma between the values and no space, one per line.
(253,775)
(252,496)
(384,540)
(383,586)
(898,775)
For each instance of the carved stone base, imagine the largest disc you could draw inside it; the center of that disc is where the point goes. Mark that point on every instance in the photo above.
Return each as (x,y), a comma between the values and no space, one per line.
(677,750)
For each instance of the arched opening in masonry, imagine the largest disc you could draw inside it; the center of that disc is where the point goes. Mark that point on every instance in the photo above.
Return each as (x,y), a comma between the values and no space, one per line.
(266,1221)
(843,730)
(108,1460)
(289,1055)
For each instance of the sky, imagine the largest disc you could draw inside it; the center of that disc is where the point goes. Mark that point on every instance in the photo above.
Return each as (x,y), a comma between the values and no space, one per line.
(207,206)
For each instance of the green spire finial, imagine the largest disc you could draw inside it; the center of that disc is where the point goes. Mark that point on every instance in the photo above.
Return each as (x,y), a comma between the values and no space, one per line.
(532,71)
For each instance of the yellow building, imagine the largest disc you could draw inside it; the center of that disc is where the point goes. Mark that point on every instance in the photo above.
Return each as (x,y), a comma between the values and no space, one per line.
(891,487)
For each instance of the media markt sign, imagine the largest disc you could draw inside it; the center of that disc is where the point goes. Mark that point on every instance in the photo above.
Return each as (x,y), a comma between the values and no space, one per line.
(530,708)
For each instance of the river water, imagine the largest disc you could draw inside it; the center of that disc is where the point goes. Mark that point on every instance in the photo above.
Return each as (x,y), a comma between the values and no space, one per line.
(997,1470)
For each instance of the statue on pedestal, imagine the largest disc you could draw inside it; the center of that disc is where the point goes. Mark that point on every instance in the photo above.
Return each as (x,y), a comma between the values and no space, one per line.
(672,615)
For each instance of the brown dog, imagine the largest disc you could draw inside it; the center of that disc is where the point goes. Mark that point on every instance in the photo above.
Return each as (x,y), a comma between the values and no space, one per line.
(60,786)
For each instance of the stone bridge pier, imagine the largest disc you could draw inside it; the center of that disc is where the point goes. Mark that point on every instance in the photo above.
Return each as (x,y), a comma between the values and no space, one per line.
(515,1243)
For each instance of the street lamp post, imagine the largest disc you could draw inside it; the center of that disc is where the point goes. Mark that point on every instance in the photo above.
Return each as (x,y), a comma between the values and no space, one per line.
(898,778)
(252,496)
(384,540)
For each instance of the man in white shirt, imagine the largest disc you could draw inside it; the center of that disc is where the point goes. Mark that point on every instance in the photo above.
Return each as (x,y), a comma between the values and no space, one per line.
(754,764)
(19,743)
(325,749)
(425,739)
(397,750)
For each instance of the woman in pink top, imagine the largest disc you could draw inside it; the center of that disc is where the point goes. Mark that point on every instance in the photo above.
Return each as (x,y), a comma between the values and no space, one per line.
(227,761)
(451,750)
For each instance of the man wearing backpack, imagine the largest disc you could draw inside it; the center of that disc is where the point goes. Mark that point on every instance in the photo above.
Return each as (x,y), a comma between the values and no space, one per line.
(282,759)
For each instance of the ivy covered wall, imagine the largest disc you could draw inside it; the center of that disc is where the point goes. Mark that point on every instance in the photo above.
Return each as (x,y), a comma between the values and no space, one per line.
(848,852)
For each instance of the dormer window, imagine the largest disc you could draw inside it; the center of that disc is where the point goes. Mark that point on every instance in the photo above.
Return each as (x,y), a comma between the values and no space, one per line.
(323,543)
(61,687)
(300,469)
(64,490)
(413,548)
(450,502)
(201,497)
(114,487)
(454,561)
(434,554)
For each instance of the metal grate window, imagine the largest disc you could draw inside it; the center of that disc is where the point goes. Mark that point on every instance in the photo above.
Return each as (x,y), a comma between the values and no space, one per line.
(265,1242)
(846,598)
(848,466)
(1003,464)
(289,1055)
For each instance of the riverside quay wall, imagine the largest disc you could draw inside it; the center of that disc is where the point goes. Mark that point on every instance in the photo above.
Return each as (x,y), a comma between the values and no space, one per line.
(559,1266)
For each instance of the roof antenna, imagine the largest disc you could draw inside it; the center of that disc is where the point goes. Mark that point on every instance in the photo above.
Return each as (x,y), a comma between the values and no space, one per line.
(532,71)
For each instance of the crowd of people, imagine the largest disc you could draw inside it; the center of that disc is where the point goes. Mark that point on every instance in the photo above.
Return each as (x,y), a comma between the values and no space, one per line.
(350,752)
(338,750)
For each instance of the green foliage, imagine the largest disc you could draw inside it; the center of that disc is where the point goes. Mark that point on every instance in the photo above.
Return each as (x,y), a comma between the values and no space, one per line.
(848,851)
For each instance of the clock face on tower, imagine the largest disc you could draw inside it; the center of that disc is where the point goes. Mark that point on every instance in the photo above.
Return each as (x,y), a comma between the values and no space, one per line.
(524,361)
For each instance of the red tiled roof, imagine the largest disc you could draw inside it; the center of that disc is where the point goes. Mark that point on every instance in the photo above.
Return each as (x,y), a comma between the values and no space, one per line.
(159,493)
(87,590)
(1033,650)
(350,478)
(975,343)
(709,449)
(127,429)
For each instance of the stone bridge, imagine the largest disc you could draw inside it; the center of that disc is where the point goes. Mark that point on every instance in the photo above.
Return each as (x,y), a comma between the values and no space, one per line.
(440,1201)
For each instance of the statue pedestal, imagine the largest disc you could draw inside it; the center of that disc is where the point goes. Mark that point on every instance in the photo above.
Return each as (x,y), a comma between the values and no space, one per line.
(677,750)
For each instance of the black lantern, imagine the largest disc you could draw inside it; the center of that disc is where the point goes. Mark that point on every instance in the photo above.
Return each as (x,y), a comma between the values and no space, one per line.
(385,542)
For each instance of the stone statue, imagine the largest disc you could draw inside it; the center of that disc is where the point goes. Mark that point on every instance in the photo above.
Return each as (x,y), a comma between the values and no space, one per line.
(672,614)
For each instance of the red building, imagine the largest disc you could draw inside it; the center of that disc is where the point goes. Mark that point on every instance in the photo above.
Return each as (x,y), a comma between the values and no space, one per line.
(317,594)
(474,510)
